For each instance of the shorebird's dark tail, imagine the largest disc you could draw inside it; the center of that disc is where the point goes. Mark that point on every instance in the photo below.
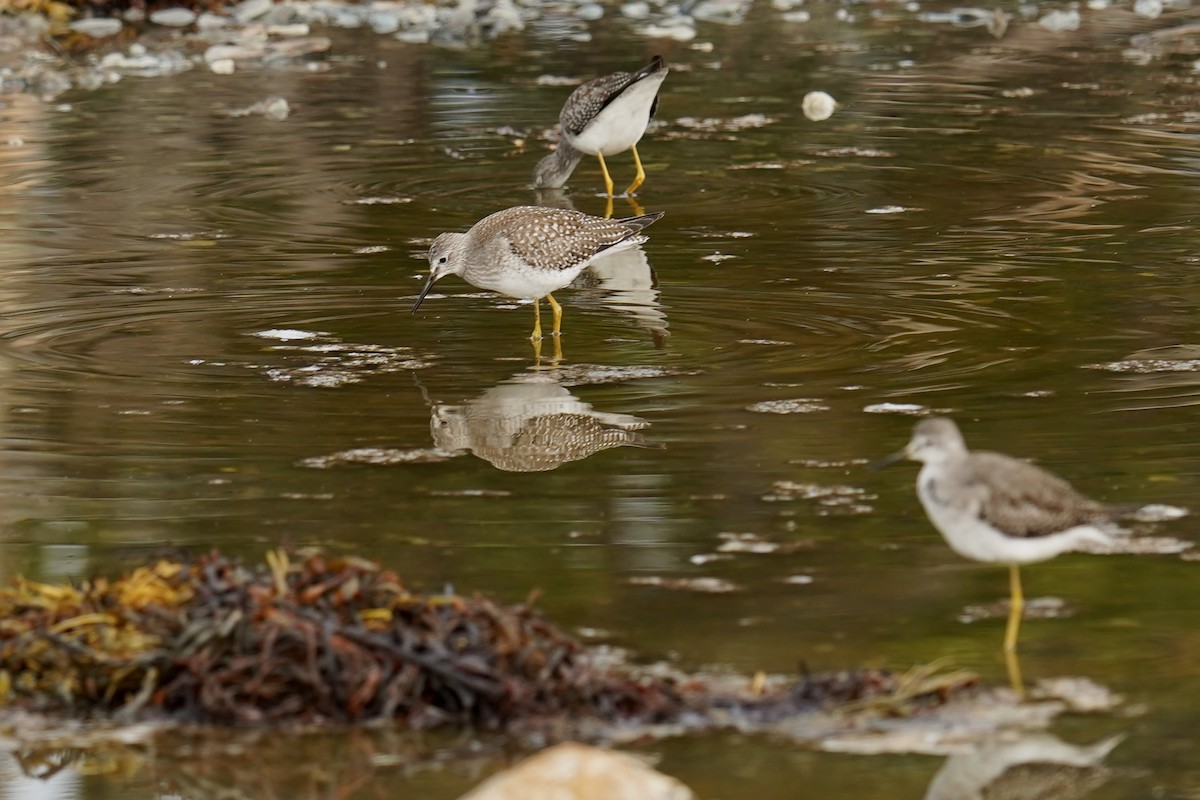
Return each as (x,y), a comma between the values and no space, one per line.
(654,66)
(636,224)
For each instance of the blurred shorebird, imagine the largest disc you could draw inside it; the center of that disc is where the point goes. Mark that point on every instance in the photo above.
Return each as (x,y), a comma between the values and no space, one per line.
(996,509)
(604,117)
(530,251)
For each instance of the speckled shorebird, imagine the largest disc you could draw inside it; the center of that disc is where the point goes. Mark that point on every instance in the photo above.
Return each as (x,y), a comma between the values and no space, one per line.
(604,117)
(993,508)
(529,252)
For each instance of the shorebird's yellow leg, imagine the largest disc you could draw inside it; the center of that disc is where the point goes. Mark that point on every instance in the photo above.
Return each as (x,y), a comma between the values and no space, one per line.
(608,184)
(640,178)
(557,309)
(537,321)
(1016,607)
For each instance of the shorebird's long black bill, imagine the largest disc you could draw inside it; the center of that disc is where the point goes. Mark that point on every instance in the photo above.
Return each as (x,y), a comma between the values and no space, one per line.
(887,461)
(429,282)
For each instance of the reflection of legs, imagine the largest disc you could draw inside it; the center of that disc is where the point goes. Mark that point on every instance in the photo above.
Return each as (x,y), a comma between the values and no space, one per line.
(554,306)
(1016,607)
(608,184)
(537,321)
(1012,661)
(641,173)
(537,351)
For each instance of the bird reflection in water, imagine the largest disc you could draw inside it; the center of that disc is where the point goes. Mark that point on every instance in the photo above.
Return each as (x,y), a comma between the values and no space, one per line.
(624,282)
(1035,765)
(531,423)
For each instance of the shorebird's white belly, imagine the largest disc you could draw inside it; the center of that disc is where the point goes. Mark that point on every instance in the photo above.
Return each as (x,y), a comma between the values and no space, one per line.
(621,124)
(972,537)
(529,283)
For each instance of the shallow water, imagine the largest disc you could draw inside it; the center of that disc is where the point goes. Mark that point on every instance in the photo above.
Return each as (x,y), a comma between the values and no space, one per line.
(205,341)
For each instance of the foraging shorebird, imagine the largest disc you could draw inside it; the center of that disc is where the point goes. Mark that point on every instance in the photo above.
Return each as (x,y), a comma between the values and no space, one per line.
(996,509)
(530,251)
(604,117)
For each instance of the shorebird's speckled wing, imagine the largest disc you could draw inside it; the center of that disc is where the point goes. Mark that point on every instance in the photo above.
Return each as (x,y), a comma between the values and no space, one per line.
(1020,499)
(591,98)
(558,239)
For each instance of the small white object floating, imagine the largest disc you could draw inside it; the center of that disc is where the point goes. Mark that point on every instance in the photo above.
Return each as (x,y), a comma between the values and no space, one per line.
(818,106)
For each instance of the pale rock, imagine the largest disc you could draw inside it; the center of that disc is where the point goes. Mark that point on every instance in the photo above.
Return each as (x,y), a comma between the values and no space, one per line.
(681,29)
(231,52)
(1059,21)
(573,771)
(173,17)
(1150,9)
(384,21)
(97,27)
(289,31)
(724,12)
(590,11)
(282,14)
(249,10)
(222,66)
(209,21)
(503,17)
(636,10)
(296,48)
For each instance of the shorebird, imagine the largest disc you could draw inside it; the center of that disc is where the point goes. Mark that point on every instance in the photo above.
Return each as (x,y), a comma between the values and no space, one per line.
(603,117)
(996,509)
(530,251)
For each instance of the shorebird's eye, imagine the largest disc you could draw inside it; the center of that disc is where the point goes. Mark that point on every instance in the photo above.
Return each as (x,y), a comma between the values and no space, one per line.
(442,260)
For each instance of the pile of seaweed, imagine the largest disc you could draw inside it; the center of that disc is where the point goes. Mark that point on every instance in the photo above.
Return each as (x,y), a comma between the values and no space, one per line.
(306,637)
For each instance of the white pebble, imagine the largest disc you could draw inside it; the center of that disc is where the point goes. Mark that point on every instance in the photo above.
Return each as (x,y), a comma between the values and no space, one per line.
(250,9)
(818,106)
(590,11)
(209,21)
(635,10)
(384,21)
(800,16)
(1150,9)
(1059,21)
(97,27)
(230,52)
(291,30)
(222,66)
(173,17)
